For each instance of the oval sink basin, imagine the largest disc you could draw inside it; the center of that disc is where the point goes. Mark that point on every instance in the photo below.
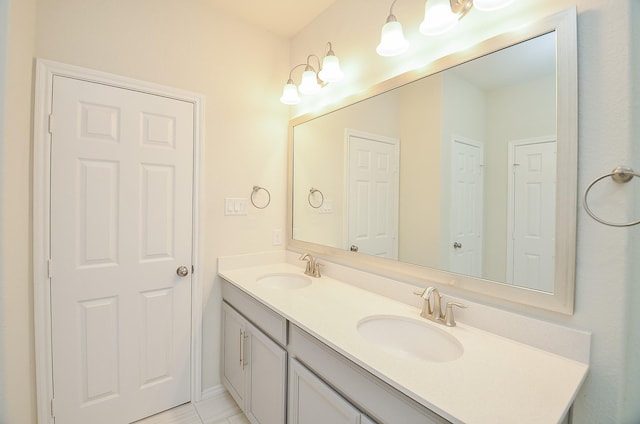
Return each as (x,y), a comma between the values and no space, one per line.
(409,338)
(284,281)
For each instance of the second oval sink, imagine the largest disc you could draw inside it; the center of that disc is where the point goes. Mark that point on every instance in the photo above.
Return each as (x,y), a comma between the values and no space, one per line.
(409,338)
(284,281)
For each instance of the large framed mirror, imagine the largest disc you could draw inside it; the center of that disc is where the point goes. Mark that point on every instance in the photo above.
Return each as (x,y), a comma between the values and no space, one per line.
(464,176)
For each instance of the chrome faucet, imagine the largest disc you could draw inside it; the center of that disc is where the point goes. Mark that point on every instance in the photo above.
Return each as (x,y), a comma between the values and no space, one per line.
(313,267)
(434,313)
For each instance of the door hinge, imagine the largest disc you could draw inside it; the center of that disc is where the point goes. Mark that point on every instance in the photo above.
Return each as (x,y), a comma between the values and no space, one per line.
(193,269)
(53,415)
(51,121)
(50,268)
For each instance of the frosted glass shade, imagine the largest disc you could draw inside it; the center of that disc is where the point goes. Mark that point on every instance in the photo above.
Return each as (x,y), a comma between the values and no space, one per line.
(488,5)
(438,17)
(290,94)
(309,83)
(330,71)
(392,41)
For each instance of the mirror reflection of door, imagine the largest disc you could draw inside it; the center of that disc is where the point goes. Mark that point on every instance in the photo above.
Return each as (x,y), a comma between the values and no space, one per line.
(532,202)
(467,186)
(372,194)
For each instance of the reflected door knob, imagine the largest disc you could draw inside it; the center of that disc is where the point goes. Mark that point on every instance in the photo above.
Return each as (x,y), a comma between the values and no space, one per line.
(182,271)
(353,248)
(457,245)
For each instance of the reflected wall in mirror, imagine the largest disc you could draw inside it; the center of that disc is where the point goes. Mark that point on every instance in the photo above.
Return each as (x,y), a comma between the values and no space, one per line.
(455,171)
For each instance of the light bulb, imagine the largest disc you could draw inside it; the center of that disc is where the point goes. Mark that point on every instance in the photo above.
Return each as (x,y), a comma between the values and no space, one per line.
(290,94)
(392,41)
(330,71)
(438,17)
(489,5)
(309,83)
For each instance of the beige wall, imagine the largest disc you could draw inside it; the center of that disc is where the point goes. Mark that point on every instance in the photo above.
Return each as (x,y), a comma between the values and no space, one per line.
(18,379)
(419,214)
(237,67)
(606,256)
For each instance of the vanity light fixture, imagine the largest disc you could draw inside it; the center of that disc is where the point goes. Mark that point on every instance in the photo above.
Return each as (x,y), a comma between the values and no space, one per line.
(392,41)
(440,16)
(311,82)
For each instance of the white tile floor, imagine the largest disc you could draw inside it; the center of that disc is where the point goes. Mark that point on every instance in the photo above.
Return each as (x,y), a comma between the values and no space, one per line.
(219,409)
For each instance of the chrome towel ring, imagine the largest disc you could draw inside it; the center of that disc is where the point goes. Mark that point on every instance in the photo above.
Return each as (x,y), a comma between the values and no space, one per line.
(253,193)
(620,175)
(312,191)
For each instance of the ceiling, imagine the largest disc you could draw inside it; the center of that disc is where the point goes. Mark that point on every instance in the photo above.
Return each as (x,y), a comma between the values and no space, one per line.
(522,62)
(282,17)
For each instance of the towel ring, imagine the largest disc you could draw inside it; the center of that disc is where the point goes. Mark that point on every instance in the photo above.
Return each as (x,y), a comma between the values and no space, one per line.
(257,189)
(311,192)
(620,175)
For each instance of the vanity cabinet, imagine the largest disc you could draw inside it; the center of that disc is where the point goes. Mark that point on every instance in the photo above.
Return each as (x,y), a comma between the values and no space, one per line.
(311,401)
(254,369)
(323,385)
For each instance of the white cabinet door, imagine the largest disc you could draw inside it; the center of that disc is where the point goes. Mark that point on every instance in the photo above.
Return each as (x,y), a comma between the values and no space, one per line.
(233,361)
(254,369)
(267,382)
(313,402)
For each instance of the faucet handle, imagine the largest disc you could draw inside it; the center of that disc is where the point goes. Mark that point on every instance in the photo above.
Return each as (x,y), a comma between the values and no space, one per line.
(449,321)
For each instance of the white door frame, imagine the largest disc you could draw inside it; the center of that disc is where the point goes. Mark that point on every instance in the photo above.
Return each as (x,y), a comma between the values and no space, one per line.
(347,174)
(45,72)
(510,198)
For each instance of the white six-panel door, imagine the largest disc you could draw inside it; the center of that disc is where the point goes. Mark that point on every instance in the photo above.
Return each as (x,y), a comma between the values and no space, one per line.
(121,225)
(466,207)
(372,194)
(532,205)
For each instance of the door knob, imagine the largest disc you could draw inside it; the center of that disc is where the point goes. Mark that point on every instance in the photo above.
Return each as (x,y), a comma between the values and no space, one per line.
(353,248)
(182,271)
(457,245)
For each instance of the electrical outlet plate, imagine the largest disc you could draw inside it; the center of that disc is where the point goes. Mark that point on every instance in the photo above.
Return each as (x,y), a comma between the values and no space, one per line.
(276,237)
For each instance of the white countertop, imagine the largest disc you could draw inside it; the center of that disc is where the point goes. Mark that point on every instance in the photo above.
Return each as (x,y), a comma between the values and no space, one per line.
(496,380)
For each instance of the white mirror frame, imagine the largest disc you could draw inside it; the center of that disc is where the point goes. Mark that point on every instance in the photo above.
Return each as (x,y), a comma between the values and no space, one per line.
(562,298)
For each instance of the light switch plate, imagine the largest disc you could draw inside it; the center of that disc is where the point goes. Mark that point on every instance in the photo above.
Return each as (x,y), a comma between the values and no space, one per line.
(236,205)
(327,207)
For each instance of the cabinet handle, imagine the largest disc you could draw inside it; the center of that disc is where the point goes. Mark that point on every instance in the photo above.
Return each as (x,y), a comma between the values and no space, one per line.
(241,348)
(243,354)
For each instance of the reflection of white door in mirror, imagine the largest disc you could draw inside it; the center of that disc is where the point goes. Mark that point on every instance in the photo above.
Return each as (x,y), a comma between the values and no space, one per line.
(466,206)
(531,226)
(372,194)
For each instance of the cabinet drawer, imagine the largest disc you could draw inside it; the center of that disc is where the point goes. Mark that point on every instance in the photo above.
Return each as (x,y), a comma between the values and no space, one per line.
(367,392)
(261,316)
